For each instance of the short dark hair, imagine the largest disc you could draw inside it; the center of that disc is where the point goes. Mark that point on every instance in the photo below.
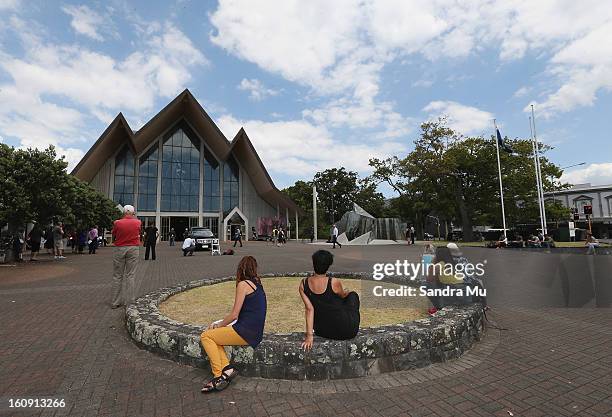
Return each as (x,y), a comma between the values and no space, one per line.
(322,260)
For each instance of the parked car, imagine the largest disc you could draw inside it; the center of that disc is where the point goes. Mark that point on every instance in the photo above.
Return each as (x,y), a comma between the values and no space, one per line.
(203,236)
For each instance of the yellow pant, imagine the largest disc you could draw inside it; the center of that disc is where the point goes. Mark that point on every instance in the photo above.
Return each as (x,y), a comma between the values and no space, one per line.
(213,341)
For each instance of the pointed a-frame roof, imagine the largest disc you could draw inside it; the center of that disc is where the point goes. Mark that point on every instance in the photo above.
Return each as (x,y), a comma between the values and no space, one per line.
(186,107)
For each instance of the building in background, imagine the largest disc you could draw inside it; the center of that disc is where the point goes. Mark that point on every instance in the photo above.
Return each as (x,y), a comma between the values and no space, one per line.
(180,171)
(599,197)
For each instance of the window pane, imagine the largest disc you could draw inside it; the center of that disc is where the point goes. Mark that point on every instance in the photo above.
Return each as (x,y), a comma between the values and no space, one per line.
(182,170)
(195,171)
(186,155)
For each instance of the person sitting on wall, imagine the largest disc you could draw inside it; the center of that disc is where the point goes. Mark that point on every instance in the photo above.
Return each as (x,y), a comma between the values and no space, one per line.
(591,243)
(502,241)
(548,242)
(518,243)
(248,317)
(470,277)
(534,242)
(441,275)
(331,311)
(188,246)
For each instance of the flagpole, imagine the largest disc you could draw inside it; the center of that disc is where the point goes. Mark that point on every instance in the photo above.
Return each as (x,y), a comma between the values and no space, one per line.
(314,211)
(501,187)
(535,139)
(535,167)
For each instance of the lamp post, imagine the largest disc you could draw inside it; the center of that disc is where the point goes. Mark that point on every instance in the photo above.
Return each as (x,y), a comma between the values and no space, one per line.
(562,168)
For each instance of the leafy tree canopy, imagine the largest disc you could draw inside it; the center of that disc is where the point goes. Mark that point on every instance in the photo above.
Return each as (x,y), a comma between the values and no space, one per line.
(35,187)
(456,178)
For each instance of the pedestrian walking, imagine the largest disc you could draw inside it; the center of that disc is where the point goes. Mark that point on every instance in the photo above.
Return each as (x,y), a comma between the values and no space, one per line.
(275,236)
(82,240)
(126,234)
(58,241)
(237,236)
(172,236)
(49,245)
(35,237)
(150,240)
(73,240)
(18,243)
(281,236)
(334,233)
(311,234)
(412,235)
(92,240)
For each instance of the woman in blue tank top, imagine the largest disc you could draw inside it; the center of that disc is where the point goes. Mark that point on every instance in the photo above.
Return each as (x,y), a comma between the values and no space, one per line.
(249,311)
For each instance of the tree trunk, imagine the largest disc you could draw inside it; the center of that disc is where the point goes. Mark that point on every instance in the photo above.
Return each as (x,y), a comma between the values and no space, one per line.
(466,221)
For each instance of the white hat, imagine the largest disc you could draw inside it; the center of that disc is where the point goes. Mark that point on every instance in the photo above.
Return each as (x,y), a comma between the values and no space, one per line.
(455,251)
(128,209)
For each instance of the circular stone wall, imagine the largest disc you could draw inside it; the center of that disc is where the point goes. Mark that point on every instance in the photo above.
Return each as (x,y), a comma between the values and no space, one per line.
(446,335)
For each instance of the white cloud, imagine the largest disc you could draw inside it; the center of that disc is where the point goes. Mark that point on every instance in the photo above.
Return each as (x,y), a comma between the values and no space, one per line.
(596,174)
(9,4)
(257,90)
(86,21)
(49,82)
(464,119)
(365,114)
(301,148)
(299,40)
(72,155)
(585,65)
(340,48)
(522,92)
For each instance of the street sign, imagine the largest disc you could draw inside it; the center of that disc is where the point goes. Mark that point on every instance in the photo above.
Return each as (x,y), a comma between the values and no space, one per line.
(588,209)
(572,229)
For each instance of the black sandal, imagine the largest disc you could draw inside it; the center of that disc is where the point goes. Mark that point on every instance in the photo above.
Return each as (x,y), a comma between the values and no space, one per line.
(231,376)
(209,387)
(216,384)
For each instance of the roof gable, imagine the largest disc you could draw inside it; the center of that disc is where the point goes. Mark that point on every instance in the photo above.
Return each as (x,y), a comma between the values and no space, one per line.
(186,107)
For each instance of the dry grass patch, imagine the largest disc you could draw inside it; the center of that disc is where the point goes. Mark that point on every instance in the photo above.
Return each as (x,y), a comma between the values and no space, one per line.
(208,303)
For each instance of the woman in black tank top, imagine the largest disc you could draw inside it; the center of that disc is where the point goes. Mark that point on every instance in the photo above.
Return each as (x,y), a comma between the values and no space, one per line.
(330,314)
(335,317)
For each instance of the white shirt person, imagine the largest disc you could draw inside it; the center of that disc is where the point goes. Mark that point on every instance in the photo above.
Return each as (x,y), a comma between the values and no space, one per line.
(188,246)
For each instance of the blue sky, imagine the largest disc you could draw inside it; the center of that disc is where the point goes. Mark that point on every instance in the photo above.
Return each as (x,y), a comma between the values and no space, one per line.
(315,84)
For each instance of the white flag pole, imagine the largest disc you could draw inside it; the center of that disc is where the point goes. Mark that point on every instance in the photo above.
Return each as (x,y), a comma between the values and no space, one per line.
(537,152)
(314,211)
(501,187)
(535,167)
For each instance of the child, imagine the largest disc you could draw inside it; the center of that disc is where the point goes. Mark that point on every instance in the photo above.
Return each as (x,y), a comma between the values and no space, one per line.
(249,311)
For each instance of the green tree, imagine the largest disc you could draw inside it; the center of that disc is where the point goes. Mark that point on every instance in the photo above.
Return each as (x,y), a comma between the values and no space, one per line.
(337,190)
(456,177)
(35,187)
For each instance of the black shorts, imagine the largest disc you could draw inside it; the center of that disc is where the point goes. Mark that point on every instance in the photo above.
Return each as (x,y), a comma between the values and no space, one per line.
(35,246)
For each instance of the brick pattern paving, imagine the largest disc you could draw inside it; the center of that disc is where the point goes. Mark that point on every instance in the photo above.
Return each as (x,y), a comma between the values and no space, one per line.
(59,338)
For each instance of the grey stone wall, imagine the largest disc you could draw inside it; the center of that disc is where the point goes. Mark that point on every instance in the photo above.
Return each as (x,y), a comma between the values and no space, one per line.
(438,338)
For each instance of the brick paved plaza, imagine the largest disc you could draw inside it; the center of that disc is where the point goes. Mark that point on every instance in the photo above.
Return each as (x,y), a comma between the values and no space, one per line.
(59,338)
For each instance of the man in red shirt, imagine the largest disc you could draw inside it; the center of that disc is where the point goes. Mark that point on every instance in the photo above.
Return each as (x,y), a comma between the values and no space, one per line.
(126,236)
